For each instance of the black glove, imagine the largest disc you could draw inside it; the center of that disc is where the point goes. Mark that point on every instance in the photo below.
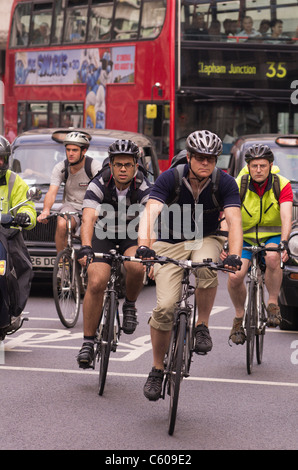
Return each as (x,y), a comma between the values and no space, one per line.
(144,252)
(22,219)
(284,245)
(232,260)
(85,250)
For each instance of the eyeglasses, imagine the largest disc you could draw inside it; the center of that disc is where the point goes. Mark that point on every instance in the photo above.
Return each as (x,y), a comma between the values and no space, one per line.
(119,165)
(201,158)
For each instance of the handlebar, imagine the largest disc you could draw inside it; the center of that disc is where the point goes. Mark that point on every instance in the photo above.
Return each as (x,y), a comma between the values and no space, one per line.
(259,249)
(62,214)
(7,220)
(185,264)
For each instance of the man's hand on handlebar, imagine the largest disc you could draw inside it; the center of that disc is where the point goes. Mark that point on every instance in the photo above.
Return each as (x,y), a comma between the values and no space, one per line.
(232,262)
(42,218)
(85,253)
(144,252)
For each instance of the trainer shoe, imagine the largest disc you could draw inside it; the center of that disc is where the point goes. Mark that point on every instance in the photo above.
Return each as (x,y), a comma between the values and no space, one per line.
(86,355)
(129,318)
(274,316)
(237,334)
(203,341)
(153,386)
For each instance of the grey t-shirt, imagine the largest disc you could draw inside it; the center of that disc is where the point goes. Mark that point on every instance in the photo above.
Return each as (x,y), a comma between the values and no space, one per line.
(76,184)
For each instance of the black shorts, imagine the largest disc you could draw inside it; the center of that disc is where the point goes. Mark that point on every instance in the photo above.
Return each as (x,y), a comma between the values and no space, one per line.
(104,246)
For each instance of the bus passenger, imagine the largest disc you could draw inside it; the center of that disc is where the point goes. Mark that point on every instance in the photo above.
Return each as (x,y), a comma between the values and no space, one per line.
(203,241)
(73,172)
(277,36)
(113,192)
(247,31)
(265,220)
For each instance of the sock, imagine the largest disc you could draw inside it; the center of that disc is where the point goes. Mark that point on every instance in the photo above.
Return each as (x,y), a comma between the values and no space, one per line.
(88,339)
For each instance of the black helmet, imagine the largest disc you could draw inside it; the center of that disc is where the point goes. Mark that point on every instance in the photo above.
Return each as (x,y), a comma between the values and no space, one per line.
(77,138)
(204,142)
(124,147)
(5,151)
(259,151)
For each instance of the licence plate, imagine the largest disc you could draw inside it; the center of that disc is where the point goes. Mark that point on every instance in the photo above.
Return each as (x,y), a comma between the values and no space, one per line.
(43,261)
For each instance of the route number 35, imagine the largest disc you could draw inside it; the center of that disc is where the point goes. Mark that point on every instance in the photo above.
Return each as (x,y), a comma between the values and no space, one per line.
(276,70)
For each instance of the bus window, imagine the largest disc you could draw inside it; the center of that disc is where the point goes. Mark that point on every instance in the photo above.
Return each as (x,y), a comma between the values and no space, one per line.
(240,22)
(20,25)
(127,16)
(153,17)
(76,21)
(72,114)
(100,20)
(58,21)
(41,23)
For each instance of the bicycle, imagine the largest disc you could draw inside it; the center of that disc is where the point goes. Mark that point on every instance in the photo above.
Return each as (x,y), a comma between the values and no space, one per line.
(181,348)
(67,281)
(255,318)
(109,328)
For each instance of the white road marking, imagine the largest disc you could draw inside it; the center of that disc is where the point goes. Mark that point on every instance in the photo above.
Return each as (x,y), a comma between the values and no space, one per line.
(124,374)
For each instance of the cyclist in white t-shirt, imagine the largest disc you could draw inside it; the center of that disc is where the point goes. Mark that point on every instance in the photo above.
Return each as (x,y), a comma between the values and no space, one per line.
(76,182)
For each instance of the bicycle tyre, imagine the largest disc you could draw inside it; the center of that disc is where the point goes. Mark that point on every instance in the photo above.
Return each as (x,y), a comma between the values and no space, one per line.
(260,336)
(66,293)
(175,372)
(250,316)
(109,312)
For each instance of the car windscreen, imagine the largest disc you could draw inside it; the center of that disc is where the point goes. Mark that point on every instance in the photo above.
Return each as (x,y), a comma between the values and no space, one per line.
(286,158)
(35,163)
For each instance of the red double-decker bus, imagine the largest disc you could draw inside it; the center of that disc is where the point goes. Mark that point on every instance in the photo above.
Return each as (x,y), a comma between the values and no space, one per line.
(160,67)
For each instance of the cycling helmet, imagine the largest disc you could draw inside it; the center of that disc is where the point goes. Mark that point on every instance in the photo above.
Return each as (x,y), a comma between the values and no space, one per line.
(77,138)
(5,151)
(204,142)
(123,147)
(259,151)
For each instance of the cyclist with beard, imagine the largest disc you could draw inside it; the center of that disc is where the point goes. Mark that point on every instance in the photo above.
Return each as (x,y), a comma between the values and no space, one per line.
(265,220)
(76,145)
(108,217)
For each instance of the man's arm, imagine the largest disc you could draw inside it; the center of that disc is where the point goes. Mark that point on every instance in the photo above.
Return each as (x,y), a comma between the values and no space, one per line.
(87,228)
(146,229)
(234,222)
(286,219)
(49,200)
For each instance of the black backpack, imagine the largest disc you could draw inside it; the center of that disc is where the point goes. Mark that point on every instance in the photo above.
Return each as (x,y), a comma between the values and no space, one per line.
(244,186)
(88,163)
(178,163)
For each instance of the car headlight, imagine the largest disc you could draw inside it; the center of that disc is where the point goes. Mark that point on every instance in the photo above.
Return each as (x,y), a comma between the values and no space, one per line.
(293,245)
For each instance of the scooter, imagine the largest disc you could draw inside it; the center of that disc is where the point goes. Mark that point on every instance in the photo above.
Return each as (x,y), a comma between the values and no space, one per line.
(12,285)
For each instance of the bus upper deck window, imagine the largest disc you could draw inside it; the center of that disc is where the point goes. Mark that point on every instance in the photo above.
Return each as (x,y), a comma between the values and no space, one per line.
(20,25)
(153,17)
(100,21)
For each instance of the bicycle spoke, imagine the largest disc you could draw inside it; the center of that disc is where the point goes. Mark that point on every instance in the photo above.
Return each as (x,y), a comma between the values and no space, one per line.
(260,336)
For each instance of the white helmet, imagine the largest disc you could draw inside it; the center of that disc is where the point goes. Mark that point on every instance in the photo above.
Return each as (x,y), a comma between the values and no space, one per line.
(204,142)
(77,138)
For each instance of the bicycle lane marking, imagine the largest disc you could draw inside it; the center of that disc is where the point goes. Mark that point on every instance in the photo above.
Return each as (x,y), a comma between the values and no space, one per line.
(130,374)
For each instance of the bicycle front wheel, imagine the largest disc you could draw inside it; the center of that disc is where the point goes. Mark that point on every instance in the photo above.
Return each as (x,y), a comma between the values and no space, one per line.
(107,337)
(175,370)
(261,327)
(250,325)
(66,288)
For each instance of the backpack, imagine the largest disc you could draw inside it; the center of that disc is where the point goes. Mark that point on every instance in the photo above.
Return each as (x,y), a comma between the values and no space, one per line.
(88,162)
(244,186)
(178,163)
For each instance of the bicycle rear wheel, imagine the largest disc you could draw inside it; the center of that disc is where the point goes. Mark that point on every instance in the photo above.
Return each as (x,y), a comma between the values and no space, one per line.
(107,337)
(261,327)
(66,288)
(175,370)
(250,325)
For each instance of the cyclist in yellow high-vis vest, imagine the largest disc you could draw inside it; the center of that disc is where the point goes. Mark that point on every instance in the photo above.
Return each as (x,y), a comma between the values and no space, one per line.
(265,220)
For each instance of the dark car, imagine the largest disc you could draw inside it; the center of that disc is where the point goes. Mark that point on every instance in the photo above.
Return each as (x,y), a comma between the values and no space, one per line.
(36,152)
(285,149)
